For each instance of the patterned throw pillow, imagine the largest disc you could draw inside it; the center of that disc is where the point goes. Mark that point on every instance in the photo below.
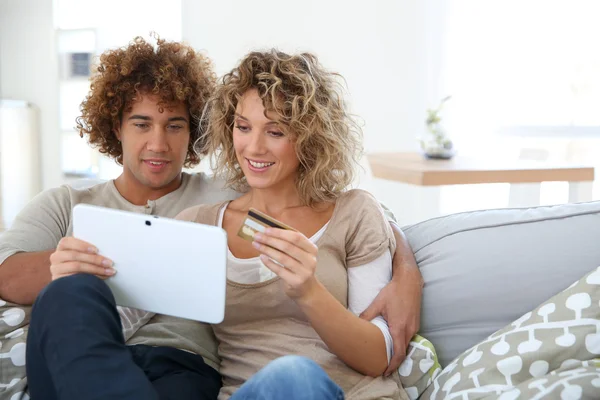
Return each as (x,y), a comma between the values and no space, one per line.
(549,353)
(419,368)
(14,323)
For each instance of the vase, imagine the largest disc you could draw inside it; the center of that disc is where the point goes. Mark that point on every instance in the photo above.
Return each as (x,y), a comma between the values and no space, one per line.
(437,145)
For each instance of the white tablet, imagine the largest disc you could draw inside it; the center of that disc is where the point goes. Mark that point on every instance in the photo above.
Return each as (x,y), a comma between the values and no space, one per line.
(163,265)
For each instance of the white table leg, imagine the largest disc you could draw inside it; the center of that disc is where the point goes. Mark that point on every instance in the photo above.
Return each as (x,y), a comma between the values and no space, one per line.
(580,191)
(426,203)
(409,203)
(524,195)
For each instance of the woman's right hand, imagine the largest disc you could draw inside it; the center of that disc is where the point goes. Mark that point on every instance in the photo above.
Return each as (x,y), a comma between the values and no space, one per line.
(74,256)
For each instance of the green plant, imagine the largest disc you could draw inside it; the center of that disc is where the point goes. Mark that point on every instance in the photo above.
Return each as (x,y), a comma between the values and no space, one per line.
(438,144)
(433,116)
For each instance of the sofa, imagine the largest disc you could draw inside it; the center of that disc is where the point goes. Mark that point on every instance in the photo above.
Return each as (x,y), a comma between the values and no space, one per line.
(484,271)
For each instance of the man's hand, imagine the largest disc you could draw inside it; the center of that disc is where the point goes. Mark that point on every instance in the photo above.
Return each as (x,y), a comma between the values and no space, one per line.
(399,303)
(74,256)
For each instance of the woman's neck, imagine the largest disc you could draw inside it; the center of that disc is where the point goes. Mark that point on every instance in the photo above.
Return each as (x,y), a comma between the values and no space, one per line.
(272,201)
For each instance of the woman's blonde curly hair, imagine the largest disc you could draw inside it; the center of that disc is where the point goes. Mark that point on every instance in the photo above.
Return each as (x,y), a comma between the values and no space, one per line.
(308,103)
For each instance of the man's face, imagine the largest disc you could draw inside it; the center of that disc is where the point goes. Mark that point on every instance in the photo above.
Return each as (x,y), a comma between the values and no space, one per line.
(155,143)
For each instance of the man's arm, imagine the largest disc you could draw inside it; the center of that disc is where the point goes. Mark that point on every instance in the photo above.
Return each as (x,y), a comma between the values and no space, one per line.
(24,275)
(400,301)
(26,247)
(404,263)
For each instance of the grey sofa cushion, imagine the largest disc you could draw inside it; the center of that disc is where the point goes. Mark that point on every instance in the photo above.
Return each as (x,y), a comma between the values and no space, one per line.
(484,269)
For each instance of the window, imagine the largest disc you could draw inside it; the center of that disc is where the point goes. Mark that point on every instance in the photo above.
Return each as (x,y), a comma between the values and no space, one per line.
(524,75)
(525,67)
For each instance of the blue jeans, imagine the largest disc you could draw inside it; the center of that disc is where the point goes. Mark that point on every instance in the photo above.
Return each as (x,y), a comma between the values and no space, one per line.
(290,378)
(76,351)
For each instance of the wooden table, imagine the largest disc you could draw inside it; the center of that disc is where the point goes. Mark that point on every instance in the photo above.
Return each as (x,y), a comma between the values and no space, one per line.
(524,177)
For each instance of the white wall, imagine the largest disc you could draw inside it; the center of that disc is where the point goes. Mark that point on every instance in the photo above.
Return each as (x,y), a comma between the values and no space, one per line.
(29,71)
(19,158)
(377,46)
(385,49)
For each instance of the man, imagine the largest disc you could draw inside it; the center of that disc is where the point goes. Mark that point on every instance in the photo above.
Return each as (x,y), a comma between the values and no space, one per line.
(143,111)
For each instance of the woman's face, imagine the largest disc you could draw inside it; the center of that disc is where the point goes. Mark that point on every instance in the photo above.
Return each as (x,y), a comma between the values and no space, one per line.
(265,153)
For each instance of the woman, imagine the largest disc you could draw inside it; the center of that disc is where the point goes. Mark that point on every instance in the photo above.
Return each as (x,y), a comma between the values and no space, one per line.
(280,132)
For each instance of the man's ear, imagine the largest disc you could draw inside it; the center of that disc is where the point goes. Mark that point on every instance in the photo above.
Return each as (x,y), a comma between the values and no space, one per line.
(117,132)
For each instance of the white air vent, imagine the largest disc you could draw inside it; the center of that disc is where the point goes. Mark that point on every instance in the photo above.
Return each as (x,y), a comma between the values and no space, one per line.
(75,65)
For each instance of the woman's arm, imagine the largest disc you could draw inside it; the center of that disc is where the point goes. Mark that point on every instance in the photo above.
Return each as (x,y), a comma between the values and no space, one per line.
(399,303)
(365,282)
(357,342)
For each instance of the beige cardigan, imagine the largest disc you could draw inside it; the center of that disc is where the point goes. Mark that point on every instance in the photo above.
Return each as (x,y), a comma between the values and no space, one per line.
(262,323)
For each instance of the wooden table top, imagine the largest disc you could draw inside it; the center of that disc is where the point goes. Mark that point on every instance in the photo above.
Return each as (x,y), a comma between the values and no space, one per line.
(415,169)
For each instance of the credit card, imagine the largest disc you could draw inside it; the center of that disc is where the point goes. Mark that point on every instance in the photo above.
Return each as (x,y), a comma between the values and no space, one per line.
(257,221)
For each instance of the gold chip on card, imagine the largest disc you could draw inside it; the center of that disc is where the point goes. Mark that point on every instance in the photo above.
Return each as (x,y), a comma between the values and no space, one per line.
(257,221)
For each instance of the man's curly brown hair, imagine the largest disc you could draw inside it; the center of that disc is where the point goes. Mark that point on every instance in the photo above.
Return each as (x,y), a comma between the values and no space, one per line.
(172,71)
(309,106)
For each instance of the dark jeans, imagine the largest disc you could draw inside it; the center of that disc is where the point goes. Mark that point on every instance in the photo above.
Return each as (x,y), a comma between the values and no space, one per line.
(75,350)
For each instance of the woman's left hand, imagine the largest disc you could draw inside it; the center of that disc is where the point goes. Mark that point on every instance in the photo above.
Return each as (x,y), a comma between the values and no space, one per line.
(297,256)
